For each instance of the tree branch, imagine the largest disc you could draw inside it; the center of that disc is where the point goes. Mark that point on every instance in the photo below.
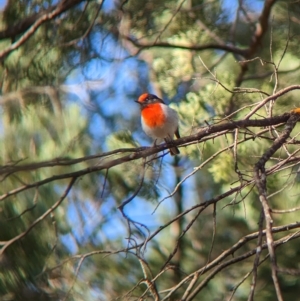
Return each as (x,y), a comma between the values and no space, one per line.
(261,183)
(261,29)
(6,244)
(12,31)
(32,23)
(228,48)
(142,152)
(232,261)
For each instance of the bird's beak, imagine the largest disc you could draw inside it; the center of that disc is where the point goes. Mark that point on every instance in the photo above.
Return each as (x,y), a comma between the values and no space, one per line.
(136,101)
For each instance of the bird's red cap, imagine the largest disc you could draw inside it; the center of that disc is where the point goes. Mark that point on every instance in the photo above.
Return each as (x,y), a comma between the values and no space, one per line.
(143,97)
(147,98)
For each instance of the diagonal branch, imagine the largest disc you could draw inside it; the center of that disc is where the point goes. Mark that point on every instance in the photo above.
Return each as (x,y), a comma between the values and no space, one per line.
(38,220)
(12,31)
(31,24)
(232,261)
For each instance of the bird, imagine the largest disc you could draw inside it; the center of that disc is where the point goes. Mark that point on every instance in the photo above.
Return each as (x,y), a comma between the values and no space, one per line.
(159,121)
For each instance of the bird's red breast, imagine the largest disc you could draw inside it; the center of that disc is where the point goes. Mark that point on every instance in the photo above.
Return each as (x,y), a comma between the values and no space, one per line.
(153,114)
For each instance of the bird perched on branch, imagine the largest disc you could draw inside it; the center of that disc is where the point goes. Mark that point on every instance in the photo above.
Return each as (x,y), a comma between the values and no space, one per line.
(159,121)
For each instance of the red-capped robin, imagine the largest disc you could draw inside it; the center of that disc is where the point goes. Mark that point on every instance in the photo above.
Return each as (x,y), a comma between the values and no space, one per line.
(158,120)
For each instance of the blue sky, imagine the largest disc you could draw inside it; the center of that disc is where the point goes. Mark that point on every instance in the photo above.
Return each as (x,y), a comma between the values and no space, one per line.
(2,4)
(254,5)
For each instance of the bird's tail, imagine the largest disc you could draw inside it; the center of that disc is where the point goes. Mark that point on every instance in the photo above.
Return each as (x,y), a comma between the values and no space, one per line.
(173,150)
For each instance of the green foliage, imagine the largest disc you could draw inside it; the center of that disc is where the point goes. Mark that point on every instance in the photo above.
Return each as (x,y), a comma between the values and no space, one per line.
(43,129)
